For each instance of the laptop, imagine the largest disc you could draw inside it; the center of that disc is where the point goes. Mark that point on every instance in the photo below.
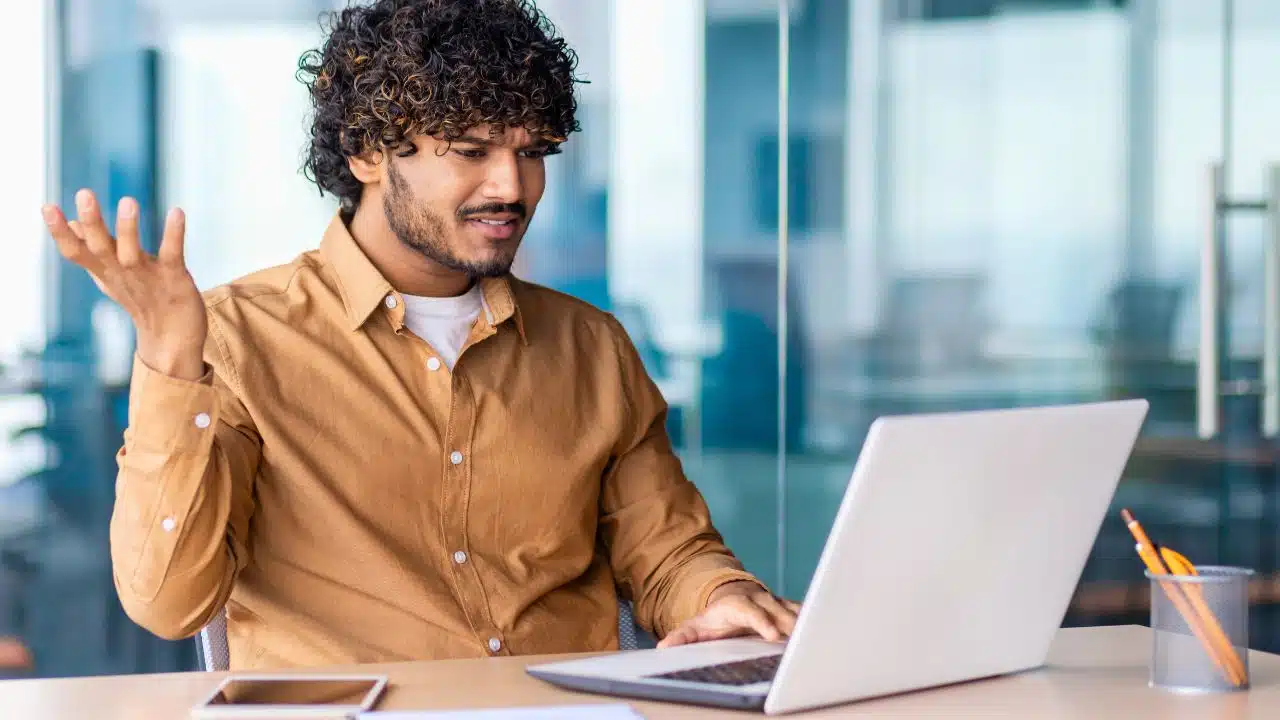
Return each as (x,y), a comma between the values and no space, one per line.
(954,554)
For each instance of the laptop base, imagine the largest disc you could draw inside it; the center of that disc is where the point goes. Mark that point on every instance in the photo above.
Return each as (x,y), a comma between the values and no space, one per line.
(640,690)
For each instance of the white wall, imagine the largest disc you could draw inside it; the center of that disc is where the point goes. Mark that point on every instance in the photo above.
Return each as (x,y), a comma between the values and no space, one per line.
(24,187)
(656,183)
(1007,156)
(25,274)
(233,131)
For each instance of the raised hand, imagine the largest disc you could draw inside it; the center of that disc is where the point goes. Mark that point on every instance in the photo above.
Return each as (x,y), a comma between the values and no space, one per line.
(157,291)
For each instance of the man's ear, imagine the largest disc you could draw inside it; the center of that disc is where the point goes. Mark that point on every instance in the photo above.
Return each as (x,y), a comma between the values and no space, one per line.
(366,167)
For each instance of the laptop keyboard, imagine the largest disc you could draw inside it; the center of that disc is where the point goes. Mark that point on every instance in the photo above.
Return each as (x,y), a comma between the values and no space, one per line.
(739,672)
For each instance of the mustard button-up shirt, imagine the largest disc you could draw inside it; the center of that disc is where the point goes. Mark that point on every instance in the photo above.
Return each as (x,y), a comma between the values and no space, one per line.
(347,500)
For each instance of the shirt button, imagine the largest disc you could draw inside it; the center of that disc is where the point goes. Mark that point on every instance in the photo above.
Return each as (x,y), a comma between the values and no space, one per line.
(455,457)
(433,363)
(391,302)
(202,420)
(459,557)
(495,644)
(168,524)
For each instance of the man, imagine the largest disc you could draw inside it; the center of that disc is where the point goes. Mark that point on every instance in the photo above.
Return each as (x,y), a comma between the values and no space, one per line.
(391,448)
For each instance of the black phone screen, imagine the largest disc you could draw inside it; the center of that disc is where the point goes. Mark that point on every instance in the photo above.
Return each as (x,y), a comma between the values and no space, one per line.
(293,691)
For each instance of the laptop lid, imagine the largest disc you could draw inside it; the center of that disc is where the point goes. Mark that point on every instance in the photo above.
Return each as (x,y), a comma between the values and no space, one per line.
(956,549)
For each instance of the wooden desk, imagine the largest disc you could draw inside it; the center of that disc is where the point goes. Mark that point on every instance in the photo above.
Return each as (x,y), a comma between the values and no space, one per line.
(1092,673)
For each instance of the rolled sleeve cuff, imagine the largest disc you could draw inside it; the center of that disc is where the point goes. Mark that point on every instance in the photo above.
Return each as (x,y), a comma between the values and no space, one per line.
(168,414)
(710,573)
(719,580)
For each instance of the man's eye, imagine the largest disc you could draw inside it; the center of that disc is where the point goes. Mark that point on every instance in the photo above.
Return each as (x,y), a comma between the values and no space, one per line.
(469,152)
(407,150)
(541,152)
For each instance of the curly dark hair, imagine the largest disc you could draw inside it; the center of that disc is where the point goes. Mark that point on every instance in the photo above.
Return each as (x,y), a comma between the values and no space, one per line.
(395,68)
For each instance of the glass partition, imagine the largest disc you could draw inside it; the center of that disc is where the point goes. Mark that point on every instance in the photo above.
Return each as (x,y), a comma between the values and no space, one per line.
(807,214)
(1012,209)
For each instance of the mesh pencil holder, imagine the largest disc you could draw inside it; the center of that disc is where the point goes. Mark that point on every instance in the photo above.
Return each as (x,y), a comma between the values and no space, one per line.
(1200,630)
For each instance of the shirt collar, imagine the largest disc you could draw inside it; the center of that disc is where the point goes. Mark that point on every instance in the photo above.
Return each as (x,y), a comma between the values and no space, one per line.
(499,299)
(363,288)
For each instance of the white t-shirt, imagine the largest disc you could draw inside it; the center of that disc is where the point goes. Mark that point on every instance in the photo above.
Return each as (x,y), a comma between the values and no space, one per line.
(445,323)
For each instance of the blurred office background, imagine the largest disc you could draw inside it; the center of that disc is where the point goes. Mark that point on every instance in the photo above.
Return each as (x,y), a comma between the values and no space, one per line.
(806,212)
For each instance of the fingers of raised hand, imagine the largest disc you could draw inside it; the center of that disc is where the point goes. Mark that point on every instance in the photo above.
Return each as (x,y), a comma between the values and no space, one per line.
(96,236)
(128,245)
(174,238)
(68,236)
(86,240)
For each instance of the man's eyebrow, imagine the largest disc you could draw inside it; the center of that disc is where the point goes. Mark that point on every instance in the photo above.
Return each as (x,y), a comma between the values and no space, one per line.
(483,141)
(475,140)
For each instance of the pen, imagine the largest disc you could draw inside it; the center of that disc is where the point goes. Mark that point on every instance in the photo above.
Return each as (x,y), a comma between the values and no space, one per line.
(1191,605)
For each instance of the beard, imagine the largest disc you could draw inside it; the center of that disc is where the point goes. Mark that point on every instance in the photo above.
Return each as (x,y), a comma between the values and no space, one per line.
(425,232)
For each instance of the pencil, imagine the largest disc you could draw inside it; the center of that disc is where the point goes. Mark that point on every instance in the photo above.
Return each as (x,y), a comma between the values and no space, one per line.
(1214,646)
(1179,565)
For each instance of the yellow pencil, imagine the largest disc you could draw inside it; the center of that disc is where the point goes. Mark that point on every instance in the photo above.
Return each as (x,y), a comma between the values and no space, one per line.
(1179,565)
(1147,551)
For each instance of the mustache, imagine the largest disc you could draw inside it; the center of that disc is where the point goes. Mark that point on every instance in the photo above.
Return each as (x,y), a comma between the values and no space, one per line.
(517,208)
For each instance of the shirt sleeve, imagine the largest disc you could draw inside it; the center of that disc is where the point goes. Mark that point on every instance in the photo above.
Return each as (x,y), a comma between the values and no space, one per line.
(184,496)
(665,553)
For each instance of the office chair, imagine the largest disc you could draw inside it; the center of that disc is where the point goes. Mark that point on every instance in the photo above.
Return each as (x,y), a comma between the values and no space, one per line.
(216,657)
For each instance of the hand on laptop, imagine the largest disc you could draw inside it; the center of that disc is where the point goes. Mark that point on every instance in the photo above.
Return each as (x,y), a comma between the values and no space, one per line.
(738,608)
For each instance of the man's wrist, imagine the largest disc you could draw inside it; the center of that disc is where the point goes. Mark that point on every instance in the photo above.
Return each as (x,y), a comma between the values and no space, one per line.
(180,363)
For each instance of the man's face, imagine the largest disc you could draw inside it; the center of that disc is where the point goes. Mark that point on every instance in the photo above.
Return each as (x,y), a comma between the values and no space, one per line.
(466,204)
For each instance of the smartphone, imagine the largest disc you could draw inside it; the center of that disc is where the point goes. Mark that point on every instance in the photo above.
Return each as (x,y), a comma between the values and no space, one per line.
(292,696)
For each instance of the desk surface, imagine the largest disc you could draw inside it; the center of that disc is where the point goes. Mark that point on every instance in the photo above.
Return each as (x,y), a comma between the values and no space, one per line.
(1092,673)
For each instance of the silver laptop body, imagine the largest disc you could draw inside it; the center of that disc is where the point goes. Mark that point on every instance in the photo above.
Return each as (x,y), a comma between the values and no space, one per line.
(954,554)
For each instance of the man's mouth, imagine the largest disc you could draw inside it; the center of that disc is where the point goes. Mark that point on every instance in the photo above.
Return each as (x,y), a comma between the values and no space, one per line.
(495,228)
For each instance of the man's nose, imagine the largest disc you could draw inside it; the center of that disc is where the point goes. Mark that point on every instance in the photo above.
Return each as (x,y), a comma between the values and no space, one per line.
(502,181)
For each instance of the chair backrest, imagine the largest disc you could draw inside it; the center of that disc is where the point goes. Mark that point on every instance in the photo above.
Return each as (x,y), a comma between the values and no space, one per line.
(215,655)
(630,635)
